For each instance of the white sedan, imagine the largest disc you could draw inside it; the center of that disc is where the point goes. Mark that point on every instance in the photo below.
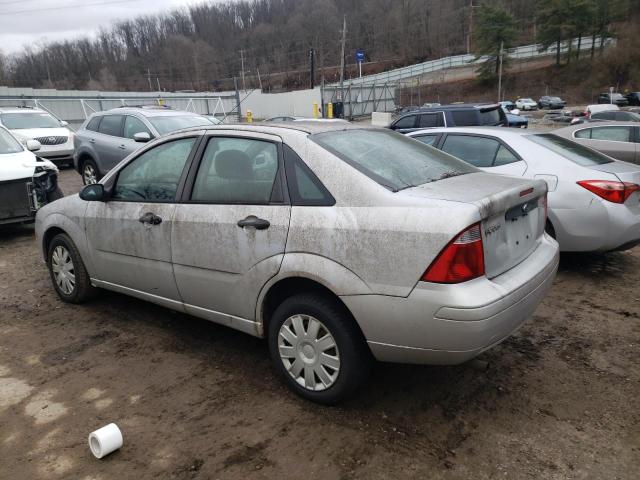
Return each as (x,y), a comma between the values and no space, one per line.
(594,200)
(526,104)
(26,181)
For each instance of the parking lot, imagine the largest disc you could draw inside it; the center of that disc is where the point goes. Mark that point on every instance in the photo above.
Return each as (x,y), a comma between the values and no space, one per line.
(559,399)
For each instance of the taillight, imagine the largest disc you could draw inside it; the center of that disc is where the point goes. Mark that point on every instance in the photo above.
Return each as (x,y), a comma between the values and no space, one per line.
(461,260)
(616,192)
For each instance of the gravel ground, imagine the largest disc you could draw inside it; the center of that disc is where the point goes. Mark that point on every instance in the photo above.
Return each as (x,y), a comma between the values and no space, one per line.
(196,400)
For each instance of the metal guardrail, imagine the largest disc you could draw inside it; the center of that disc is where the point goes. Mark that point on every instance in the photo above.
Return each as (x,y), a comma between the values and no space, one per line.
(520,53)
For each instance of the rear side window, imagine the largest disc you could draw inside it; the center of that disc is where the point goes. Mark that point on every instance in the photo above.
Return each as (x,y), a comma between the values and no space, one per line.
(111,125)
(406,122)
(305,189)
(478,151)
(490,117)
(392,160)
(465,118)
(93,124)
(612,134)
(584,133)
(572,151)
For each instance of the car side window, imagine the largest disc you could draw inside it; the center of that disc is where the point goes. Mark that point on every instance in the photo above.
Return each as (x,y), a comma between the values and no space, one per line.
(236,171)
(428,120)
(504,157)
(133,125)
(111,125)
(478,151)
(462,118)
(154,175)
(613,134)
(305,189)
(584,133)
(406,122)
(93,124)
(427,139)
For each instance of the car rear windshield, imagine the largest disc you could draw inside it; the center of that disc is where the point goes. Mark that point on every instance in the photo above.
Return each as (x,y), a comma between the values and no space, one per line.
(570,150)
(8,144)
(22,120)
(392,160)
(170,123)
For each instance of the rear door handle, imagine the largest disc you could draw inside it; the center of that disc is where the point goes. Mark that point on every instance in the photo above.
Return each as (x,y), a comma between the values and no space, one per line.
(150,219)
(92,140)
(122,147)
(255,222)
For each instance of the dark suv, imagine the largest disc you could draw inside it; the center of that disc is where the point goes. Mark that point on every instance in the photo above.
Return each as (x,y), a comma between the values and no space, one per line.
(457,115)
(614,98)
(633,98)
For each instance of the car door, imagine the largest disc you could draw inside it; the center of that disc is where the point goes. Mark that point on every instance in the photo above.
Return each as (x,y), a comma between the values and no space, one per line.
(129,236)
(614,140)
(485,152)
(230,230)
(132,125)
(107,142)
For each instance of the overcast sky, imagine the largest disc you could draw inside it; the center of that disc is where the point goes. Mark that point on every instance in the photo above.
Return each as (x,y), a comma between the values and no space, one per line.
(28,22)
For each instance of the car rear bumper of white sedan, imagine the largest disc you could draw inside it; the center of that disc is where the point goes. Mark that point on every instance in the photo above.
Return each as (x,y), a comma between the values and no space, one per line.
(444,324)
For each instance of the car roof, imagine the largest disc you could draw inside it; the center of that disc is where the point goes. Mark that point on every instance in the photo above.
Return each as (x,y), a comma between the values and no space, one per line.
(308,127)
(146,111)
(601,123)
(21,110)
(501,132)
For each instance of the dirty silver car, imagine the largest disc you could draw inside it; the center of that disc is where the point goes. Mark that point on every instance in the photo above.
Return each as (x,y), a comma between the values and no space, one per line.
(336,243)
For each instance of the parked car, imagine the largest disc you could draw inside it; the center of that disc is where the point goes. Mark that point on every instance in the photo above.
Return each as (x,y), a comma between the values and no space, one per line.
(594,200)
(507,105)
(613,98)
(459,114)
(26,123)
(620,140)
(108,137)
(283,118)
(591,109)
(551,103)
(516,121)
(371,244)
(616,115)
(26,181)
(633,98)
(526,104)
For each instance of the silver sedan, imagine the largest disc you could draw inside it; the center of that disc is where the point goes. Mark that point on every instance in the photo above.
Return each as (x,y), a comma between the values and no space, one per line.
(594,200)
(336,243)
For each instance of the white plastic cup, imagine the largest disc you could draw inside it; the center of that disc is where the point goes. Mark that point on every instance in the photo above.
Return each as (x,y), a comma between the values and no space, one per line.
(105,440)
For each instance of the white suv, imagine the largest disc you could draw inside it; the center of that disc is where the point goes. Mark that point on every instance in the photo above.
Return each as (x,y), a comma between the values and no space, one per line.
(27,123)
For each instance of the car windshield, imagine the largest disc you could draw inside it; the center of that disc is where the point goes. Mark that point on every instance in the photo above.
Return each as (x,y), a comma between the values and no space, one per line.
(8,144)
(22,120)
(392,160)
(527,100)
(554,99)
(171,123)
(570,150)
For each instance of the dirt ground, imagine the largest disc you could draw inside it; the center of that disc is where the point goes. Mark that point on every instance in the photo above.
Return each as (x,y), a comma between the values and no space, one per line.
(560,399)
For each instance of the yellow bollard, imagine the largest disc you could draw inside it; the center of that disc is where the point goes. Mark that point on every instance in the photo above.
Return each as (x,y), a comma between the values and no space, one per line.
(315,110)
(249,116)
(329,110)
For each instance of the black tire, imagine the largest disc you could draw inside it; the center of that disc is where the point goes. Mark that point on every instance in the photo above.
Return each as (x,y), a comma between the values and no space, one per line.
(89,163)
(354,355)
(82,289)
(56,195)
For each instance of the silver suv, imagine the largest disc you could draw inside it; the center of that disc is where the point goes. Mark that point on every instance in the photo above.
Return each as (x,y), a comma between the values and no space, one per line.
(333,241)
(108,137)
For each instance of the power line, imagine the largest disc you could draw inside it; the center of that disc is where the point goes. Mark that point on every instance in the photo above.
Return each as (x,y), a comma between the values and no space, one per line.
(65,7)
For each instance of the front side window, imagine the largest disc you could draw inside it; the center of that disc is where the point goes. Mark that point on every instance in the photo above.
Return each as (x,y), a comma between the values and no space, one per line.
(154,175)
(133,125)
(8,144)
(392,160)
(171,123)
(612,134)
(93,124)
(478,151)
(427,139)
(236,171)
(111,125)
(572,151)
(428,120)
(406,122)
(24,120)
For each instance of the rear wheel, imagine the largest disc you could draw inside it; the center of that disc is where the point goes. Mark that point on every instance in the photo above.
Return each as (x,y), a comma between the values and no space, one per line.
(90,173)
(317,348)
(68,273)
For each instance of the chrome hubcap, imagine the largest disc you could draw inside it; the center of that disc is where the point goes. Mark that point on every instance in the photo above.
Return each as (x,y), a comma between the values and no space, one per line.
(63,270)
(89,175)
(309,352)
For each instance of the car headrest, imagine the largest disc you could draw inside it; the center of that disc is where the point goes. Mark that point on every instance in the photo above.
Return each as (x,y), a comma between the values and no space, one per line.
(234,165)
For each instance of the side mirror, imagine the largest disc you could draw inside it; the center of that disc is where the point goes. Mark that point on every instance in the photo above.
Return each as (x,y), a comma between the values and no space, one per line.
(142,137)
(64,123)
(33,145)
(93,193)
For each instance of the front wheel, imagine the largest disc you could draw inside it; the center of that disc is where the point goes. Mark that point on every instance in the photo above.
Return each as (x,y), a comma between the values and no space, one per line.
(68,274)
(317,348)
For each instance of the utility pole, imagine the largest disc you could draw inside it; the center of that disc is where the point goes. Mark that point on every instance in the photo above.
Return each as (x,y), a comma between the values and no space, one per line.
(244,86)
(344,40)
(312,72)
(470,27)
(500,70)
(149,79)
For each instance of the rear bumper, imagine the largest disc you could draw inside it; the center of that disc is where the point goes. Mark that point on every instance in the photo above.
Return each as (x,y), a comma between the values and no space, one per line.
(449,324)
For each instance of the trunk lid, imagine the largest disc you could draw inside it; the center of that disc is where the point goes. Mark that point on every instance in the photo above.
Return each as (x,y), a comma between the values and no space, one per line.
(626,172)
(511,210)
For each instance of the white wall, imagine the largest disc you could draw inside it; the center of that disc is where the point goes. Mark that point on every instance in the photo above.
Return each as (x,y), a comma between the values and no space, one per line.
(265,105)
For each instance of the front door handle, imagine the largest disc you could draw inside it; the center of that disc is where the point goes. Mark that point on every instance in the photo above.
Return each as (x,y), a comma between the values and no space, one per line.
(150,219)
(92,140)
(122,147)
(255,222)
